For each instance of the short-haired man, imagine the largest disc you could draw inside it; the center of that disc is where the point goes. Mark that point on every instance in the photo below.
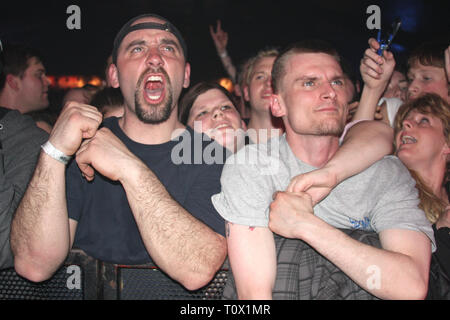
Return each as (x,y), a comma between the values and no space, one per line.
(310,96)
(23,82)
(20,138)
(257,90)
(141,204)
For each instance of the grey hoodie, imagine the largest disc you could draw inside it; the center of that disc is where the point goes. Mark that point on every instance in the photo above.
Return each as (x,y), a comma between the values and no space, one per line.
(20,140)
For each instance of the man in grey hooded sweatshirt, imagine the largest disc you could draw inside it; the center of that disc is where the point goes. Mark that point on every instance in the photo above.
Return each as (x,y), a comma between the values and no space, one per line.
(20,138)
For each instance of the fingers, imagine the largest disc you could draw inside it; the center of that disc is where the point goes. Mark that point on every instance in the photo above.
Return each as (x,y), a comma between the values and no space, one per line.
(83,163)
(76,122)
(298,184)
(373,44)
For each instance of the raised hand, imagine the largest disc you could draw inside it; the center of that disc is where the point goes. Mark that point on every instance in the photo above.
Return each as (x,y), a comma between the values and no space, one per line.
(107,154)
(219,37)
(376,70)
(76,122)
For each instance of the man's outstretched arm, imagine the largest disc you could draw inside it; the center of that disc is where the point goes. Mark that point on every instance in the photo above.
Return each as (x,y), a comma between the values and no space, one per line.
(41,234)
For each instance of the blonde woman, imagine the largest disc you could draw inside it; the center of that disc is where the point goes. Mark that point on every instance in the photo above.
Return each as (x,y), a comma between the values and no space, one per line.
(422,140)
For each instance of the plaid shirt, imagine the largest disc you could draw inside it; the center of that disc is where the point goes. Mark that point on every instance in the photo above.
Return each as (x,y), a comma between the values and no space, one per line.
(304,274)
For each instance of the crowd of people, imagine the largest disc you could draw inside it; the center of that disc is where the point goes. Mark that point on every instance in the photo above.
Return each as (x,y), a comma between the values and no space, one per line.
(311,184)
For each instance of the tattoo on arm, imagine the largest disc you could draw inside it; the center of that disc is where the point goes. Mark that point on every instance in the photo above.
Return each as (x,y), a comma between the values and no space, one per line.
(227,229)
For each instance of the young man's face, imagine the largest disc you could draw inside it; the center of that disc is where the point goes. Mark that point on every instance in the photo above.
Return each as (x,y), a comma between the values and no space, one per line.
(427,79)
(33,86)
(259,90)
(397,87)
(151,71)
(313,96)
(218,117)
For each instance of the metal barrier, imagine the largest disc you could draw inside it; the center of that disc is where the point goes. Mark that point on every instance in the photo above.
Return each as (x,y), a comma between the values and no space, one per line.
(85,278)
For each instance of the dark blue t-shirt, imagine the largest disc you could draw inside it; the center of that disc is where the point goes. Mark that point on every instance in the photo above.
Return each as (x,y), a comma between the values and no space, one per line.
(106,226)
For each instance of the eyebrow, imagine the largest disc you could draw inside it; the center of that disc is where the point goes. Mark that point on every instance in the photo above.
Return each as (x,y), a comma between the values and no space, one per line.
(170,41)
(308,78)
(143,42)
(134,43)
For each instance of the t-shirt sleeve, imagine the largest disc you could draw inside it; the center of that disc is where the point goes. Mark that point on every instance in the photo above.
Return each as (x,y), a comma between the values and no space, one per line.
(199,202)
(397,207)
(74,190)
(246,190)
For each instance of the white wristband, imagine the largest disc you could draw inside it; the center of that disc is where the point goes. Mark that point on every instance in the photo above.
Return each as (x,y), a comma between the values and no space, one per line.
(223,54)
(55,153)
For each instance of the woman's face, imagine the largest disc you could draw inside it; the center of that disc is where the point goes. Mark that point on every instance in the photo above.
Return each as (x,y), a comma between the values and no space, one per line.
(421,140)
(215,115)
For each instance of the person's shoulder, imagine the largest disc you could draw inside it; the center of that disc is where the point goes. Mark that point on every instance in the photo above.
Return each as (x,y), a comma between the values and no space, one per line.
(389,168)
(22,125)
(391,162)
(110,122)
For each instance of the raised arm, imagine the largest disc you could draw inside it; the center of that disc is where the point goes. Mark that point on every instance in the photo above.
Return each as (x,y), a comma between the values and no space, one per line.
(41,234)
(184,247)
(376,72)
(220,39)
(19,151)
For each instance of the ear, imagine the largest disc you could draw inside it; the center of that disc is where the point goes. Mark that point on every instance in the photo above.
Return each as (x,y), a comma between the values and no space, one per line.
(243,125)
(277,106)
(187,75)
(13,82)
(246,94)
(113,75)
(447,149)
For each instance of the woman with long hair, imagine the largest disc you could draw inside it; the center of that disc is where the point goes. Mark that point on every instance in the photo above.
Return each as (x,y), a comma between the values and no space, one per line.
(422,141)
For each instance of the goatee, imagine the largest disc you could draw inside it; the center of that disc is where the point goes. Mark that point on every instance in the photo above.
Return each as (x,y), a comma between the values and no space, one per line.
(153,113)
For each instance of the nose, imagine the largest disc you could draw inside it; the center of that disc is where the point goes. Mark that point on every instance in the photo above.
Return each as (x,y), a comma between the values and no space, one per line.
(154,58)
(217,113)
(328,93)
(413,87)
(407,124)
(46,81)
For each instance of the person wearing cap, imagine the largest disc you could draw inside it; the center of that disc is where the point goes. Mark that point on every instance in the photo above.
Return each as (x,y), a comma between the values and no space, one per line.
(125,198)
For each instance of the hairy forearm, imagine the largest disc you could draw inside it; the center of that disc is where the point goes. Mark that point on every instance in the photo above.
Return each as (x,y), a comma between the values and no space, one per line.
(40,237)
(364,144)
(184,247)
(384,273)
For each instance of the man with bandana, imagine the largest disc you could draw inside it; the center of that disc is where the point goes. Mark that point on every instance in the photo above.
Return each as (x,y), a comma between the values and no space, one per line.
(123,199)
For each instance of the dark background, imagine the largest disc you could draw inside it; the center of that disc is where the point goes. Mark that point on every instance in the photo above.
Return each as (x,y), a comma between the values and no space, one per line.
(251,25)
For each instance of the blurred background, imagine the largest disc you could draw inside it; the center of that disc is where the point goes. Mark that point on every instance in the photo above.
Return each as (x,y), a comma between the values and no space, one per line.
(75,57)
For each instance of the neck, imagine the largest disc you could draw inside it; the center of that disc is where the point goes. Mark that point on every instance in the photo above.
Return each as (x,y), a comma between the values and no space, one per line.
(145,133)
(262,127)
(433,176)
(9,101)
(313,150)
